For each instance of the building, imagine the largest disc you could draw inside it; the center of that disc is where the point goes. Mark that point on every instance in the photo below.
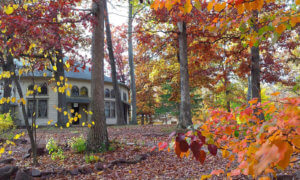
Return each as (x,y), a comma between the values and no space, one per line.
(79,99)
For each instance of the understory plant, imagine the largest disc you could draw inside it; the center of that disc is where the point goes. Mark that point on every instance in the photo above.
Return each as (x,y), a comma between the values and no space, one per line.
(78,144)
(55,151)
(6,122)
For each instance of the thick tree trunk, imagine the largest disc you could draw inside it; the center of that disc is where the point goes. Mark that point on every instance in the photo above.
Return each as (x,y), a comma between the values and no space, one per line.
(119,107)
(185,118)
(255,66)
(8,66)
(131,66)
(97,137)
(62,99)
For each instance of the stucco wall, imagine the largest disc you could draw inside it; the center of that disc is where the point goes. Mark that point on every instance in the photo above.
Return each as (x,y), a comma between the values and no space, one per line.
(52,100)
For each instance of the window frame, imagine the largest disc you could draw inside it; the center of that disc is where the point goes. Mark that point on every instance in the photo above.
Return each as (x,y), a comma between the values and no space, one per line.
(37,111)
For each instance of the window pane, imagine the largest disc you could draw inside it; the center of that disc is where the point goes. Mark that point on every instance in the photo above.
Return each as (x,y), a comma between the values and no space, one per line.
(42,108)
(113,109)
(124,96)
(44,90)
(83,91)
(75,91)
(107,93)
(30,108)
(107,109)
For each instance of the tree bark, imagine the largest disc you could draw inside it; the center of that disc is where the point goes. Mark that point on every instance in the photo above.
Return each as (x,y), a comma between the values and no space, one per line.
(119,107)
(227,94)
(62,98)
(255,66)
(185,118)
(143,119)
(97,136)
(131,65)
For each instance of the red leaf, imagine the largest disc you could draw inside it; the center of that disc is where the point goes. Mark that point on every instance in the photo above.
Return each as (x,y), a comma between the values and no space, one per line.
(202,156)
(183,145)
(213,149)
(162,145)
(202,138)
(153,148)
(177,149)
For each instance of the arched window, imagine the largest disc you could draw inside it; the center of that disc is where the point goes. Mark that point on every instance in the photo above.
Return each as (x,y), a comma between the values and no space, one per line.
(44,89)
(83,91)
(31,88)
(107,93)
(112,93)
(75,91)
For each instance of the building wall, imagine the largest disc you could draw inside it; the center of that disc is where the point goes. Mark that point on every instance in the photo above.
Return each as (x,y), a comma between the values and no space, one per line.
(52,100)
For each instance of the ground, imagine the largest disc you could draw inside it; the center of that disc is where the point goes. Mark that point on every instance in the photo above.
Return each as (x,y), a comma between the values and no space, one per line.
(128,142)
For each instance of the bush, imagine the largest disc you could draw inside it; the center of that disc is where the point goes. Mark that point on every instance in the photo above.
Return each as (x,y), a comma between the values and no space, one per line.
(91,158)
(6,122)
(51,146)
(78,144)
(59,154)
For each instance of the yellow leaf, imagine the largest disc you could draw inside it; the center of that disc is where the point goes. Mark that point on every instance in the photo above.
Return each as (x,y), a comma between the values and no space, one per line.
(210,5)
(72,110)
(9,152)
(83,124)
(68,93)
(36,126)
(65,113)
(13,99)
(206,176)
(79,116)
(56,124)
(297,2)
(8,10)
(45,74)
(89,125)
(91,112)
(25,6)
(61,78)
(188,6)
(2,150)
(219,7)
(93,122)
(39,89)
(68,125)
(54,68)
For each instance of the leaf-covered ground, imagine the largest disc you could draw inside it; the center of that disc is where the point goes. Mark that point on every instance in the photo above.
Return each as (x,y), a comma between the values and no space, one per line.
(129,141)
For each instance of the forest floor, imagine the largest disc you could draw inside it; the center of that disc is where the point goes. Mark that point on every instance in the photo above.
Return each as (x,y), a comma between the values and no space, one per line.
(129,159)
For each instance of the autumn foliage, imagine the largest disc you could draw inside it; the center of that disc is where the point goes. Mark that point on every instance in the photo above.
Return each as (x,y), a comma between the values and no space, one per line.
(259,147)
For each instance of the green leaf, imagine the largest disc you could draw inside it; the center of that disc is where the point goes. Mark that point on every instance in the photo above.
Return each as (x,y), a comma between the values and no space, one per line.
(236,133)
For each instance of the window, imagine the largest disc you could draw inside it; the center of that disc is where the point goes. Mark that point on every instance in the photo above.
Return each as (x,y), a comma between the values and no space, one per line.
(112,93)
(75,91)
(41,108)
(107,93)
(110,109)
(124,96)
(83,91)
(31,88)
(44,89)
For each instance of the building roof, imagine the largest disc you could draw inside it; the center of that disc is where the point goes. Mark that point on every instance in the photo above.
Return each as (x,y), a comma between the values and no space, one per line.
(82,74)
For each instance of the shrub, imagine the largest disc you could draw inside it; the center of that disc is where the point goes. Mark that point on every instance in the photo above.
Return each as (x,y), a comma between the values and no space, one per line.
(59,154)
(78,144)
(91,158)
(6,122)
(52,146)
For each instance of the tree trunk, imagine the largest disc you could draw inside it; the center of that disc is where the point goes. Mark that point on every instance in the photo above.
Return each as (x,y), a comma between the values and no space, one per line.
(143,119)
(185,118)
(97,136)
(227,94)
(119,107)
(255,67)
(25,116)
(131,66)
(249,96)
(62,99)
(8,66)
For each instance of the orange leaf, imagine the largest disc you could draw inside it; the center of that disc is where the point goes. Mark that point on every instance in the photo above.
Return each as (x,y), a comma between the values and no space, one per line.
(210,5)
(280,28)
(219,7)
(275,93)
(253,101)
(228,130)
(264,178)
(217,172)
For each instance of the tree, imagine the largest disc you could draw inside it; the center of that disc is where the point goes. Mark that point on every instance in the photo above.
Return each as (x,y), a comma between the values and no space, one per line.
(131,64)
(98,137)
(119,106)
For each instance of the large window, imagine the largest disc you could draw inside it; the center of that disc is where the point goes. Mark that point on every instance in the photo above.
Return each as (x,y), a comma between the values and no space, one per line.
(41,108)
(75,91)
(43,92)
(110,109)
